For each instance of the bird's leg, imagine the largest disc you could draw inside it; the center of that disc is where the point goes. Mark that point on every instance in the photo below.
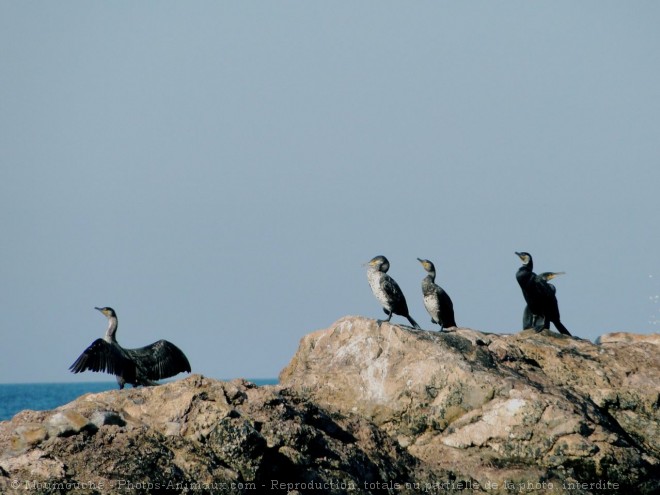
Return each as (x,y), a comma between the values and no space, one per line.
(538,323)
(546,323)
(389,317)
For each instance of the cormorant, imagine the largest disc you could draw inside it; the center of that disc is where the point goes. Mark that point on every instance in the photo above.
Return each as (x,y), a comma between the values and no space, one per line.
(436,300)
(140,366)
(386,290)
(539,295)
(530,320)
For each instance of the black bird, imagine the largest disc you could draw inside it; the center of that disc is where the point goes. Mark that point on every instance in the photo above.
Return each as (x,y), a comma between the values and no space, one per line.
(531,320)
(539,295)
(386,290)
(140,366)
(436,301)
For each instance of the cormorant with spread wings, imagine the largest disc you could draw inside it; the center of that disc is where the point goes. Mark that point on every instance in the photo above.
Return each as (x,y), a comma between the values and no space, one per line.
(141,366)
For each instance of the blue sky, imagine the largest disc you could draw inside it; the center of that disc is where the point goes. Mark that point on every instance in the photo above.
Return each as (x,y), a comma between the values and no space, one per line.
(217,172)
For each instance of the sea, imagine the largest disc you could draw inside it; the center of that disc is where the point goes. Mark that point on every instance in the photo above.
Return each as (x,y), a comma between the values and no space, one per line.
(15,397)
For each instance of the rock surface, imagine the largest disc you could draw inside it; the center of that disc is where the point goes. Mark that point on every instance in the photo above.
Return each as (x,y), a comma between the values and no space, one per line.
(367,409)
(196,435)
(526,408)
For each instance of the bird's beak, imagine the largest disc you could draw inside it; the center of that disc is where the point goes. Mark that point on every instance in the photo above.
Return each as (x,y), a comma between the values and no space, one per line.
(98,309)
(556,274)
(519,255)
(420,260)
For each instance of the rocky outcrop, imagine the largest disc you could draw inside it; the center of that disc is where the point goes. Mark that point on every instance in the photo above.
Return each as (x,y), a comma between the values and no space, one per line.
(363,408)
(196,435)
(527,408)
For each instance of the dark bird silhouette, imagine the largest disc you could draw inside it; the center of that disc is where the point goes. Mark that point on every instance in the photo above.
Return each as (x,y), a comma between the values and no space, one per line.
(531,320)
(140,366)
(386,290)
(436,301)
(539,295)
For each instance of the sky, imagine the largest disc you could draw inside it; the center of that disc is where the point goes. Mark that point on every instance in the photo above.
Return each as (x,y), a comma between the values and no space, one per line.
(218,172)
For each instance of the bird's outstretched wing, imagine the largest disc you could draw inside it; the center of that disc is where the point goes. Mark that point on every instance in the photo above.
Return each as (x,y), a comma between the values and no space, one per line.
(104,357)
(159,360)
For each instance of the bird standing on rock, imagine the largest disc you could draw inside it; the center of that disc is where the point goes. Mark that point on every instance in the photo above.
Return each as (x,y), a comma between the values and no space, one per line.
(140,366)
(531,320)
(539,295)
(436,301)
(386,290)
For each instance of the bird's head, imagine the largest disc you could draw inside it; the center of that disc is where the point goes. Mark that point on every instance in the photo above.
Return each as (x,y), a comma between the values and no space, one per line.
(108,312)
(380,263)
(526,258)
(428,266)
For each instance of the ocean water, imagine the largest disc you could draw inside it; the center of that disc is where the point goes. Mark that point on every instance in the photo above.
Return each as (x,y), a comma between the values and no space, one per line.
(43,396)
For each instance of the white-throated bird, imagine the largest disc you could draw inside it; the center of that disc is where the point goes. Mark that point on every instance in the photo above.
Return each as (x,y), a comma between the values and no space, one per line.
(386,290)
(539,295)
(141,366)
(436,301)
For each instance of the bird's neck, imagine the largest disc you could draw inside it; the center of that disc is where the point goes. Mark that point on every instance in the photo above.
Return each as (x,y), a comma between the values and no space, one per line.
(111,331)
(525,275)
(431,276)
(372,271)
(374,277)
(428,286)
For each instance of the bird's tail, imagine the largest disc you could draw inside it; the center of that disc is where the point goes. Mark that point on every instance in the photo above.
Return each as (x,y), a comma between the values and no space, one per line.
(413,322)
(449,324)
(560,326)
